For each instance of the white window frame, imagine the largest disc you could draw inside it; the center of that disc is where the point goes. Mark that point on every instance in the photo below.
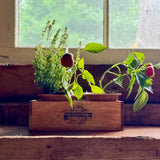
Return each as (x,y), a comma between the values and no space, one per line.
(9,28)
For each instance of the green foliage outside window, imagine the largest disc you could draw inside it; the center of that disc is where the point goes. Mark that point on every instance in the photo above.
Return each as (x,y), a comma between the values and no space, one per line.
(84,18)
(123,23)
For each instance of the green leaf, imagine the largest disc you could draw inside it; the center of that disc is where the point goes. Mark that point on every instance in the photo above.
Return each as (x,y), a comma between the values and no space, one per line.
(141,78)
(157,65)
(144,81)
(118,81)
(78,92)
(69,98)
(148,84)
(88,76)
(72,86)
(134,63)
(132,81)
(81,64)
(149,88)
(140,56)
(129,59)
(138,93)
(141,101)
(129,70)
(96,89)
(65,82)
(94,47)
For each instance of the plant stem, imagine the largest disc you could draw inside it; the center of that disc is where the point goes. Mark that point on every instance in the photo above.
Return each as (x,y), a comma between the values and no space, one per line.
(112,81)
(113,73)
(103,75)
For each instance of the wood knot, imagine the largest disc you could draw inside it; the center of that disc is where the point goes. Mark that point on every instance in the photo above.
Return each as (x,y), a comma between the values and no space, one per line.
(48,146)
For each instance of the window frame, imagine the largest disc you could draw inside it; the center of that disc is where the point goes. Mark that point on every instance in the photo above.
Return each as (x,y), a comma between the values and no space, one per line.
(22,55)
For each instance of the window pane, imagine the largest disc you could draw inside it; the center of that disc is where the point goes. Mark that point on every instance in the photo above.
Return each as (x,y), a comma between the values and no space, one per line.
(123,22)
(134,24)
(84,19)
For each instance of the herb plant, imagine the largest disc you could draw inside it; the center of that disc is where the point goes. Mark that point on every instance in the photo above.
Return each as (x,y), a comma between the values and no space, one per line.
(48,69)
(57,71)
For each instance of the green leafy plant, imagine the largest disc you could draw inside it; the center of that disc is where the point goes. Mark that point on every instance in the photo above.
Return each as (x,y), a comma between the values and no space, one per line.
(79,70)
(57,71)
(136,71)
(48,70)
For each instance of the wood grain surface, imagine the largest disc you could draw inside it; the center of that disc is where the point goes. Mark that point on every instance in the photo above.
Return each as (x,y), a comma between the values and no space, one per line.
(79,147)
(85,115)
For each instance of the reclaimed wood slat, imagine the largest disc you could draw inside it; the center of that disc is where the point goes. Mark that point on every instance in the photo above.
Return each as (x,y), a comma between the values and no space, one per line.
(149,115)
(81,148)
(14,113)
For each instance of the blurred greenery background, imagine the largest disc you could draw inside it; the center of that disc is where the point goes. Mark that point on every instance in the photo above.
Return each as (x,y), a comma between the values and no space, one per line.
(84,19)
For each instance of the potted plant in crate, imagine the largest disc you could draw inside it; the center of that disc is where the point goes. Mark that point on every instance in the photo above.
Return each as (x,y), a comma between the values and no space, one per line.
(58,73)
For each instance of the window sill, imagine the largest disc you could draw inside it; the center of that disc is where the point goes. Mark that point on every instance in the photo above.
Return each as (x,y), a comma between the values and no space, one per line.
(129,131)
(134,143)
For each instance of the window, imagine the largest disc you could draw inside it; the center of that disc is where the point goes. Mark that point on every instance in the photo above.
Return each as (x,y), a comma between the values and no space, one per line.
(123,23)
(83,18)
(134,24)
(129,21)
(9,13)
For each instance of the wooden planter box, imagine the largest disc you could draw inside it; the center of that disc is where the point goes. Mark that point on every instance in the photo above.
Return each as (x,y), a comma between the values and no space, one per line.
(85,115)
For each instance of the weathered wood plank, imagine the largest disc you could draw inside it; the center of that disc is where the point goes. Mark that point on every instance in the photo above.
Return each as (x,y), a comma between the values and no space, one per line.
(17,82)
(149,115)
(81,148)
(14,113)
(133,143)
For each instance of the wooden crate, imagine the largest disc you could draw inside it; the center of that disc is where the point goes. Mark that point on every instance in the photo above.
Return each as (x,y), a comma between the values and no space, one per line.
(85,115)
